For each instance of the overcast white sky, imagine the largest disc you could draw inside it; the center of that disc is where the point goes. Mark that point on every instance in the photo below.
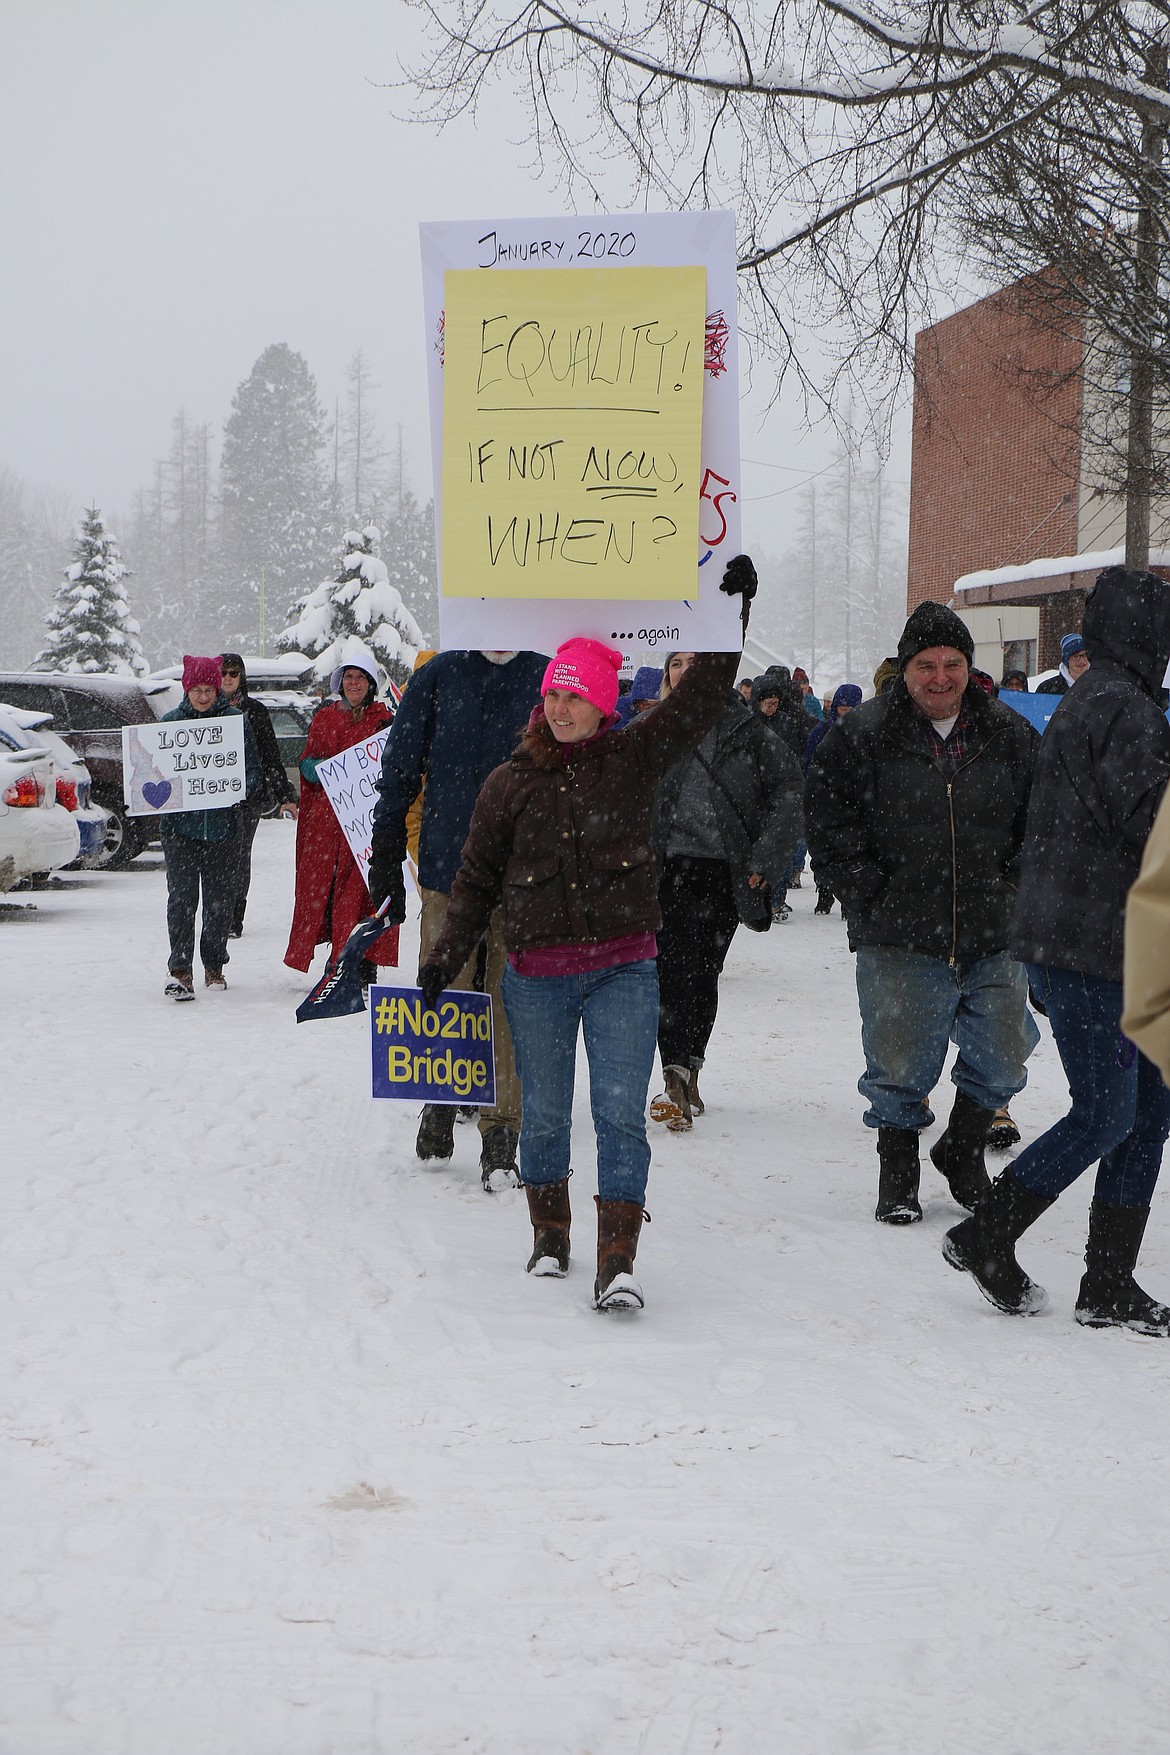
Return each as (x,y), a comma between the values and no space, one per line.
(183,182)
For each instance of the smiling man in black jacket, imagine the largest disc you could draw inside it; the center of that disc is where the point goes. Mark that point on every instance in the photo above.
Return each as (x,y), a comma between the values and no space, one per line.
(915,808)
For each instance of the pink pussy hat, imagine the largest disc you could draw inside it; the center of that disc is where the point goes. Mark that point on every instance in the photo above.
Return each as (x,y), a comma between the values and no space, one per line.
(201,670)
(585,668)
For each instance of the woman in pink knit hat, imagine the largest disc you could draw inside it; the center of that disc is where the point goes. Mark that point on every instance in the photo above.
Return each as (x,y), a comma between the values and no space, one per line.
(561,838)
(202,848)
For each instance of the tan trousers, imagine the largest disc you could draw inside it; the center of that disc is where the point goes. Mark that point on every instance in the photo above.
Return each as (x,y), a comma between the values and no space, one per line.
(507,1110)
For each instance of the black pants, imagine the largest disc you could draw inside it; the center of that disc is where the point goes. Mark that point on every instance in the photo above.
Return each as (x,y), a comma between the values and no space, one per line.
(249,823)
(191,866)
(699,919)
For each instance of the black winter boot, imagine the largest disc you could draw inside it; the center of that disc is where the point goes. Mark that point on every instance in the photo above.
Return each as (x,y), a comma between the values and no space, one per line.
(958,1155)
(618,1225)
(1110,1297)
(436,1132)
(898,1172)
(498,1154)
(548,1208)
(982,1246)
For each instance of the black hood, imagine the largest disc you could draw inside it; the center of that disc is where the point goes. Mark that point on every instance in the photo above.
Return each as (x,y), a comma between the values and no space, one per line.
(241,694)
(1127,618)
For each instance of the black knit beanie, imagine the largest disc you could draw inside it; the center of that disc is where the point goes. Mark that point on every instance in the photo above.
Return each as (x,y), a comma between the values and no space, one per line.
(933,624)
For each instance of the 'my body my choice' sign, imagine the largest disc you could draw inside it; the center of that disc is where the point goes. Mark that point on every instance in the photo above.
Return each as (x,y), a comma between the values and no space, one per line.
(440,1056)
(350,781)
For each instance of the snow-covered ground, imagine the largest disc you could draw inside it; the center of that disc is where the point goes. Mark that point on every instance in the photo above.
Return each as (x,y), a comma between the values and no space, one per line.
(297,1460)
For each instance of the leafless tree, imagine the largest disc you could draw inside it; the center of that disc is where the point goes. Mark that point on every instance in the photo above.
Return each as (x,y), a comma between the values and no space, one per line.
(863,146)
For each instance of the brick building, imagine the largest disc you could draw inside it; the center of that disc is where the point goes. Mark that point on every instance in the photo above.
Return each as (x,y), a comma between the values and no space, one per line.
(1002,477)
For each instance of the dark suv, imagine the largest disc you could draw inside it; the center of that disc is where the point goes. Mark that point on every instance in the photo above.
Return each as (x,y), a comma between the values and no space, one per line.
(89,713)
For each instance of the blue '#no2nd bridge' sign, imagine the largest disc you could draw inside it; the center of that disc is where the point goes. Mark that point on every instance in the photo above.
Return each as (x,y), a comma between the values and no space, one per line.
(440,1056)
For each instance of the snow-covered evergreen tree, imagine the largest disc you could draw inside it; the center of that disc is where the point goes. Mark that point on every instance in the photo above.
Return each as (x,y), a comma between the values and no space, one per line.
(272,491)
(90,625)
(408,548)
(360,601)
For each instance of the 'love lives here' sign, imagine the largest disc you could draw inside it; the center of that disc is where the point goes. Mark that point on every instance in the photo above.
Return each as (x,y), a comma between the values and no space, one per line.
(183,764)
(441,1056)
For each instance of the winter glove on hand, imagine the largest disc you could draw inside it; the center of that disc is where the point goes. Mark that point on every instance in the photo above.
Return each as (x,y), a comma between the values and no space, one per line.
(432,981)
(309,769)
(386,879)
(739,580)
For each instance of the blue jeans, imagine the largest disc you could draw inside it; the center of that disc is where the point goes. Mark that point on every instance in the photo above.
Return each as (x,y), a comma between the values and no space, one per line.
(795,864)
(1120,1107)
(618,1010)
(913,1006)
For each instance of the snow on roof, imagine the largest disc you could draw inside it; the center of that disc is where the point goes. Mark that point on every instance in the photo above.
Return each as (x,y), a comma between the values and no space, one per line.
(1091,562)
(292,665)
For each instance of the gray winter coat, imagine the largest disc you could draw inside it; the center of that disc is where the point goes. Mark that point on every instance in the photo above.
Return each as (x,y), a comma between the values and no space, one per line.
(757,785)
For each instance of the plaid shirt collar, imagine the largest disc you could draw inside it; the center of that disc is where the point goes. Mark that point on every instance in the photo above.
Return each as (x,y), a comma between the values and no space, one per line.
(951,751)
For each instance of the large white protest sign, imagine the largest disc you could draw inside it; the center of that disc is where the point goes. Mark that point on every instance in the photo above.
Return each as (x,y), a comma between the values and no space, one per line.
(563,430)
(183,764)
(350,781)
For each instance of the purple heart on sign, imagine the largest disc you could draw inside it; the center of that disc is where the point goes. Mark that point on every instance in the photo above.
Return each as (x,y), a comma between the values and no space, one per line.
(156,794)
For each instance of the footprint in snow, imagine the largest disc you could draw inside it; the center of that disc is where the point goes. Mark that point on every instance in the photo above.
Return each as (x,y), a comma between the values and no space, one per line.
(363,1497)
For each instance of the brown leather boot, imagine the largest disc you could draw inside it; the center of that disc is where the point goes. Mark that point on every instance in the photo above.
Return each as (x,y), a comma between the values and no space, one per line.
(548,1208)
(674,1104)
(618,1225)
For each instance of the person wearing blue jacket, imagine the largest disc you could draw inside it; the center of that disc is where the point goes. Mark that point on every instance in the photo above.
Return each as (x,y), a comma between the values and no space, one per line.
(202,847)
(460,716)
(642,696)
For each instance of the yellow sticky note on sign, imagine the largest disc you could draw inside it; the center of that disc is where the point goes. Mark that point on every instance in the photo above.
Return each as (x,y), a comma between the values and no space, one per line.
(572,422)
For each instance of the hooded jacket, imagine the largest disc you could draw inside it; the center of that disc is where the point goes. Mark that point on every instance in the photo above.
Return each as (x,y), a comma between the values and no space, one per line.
(276,790)
(789,722)
(756,788)
(919,860)
(331,894)
(1103,765)
(846,695)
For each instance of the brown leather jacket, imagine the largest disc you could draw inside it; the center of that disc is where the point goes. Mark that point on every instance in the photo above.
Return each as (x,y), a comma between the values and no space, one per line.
(561,832)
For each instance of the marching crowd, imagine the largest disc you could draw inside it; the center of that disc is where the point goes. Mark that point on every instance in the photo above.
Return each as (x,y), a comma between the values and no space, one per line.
(587,858)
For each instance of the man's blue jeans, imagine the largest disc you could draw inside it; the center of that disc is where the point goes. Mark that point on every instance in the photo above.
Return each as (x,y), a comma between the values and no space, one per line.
(618,1011)
(1120,1107)
(913,1006)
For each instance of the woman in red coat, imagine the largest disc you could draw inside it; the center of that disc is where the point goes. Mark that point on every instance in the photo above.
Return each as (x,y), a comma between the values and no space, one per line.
(331,894)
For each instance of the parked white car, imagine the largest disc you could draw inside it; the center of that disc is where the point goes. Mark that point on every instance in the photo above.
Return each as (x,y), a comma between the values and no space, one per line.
(74,787)
(36,833)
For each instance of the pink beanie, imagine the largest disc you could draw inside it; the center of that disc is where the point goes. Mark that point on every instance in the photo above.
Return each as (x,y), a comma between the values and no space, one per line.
(585,668)
(201,670)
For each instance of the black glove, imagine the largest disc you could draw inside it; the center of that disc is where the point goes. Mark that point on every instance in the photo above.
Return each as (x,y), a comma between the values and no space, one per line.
(739,578)
(432,981)
(386,879)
